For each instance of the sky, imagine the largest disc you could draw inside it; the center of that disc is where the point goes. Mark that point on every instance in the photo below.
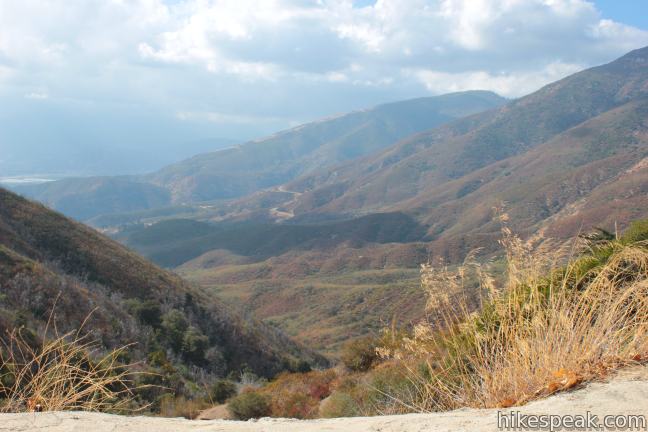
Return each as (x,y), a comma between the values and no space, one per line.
(121,86)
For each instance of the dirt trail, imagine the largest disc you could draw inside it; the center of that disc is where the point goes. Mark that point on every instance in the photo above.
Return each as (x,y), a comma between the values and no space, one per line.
(288,213)
(625,394)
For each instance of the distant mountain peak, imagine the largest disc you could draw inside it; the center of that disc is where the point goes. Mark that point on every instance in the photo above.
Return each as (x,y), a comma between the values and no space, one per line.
(636,60)
(268,162)
(638,54)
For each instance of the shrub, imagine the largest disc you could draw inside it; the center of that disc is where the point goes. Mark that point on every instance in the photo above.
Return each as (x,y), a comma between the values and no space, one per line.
(339,404)
(249,405)
(194,345)
(359,354)
(298,395)
(388,384)
(301,366)
(222,390)
(147,312)
(636,232)
(172,406)
(174,325)
(296,405)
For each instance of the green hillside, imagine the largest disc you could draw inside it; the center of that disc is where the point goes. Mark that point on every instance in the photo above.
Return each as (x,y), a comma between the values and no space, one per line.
(48,262)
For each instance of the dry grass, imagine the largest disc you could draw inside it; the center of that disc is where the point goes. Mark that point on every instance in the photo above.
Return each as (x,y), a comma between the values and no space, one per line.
(546,327)
(173,407)
(62,373)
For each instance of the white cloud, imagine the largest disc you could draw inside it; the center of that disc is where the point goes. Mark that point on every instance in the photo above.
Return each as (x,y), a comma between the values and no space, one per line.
(505,84)
(499,44)
(294,59)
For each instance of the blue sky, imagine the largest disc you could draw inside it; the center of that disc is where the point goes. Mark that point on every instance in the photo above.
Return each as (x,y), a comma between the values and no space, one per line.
(117,86)
(631,12)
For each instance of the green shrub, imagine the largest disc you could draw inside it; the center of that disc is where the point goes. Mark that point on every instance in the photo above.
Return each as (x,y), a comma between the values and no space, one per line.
(174,325)
(249,405)
(636,232)
(194,345)
(303,366)
(390,388)
(359,354)
(147,312)
(222,390)
(157,358)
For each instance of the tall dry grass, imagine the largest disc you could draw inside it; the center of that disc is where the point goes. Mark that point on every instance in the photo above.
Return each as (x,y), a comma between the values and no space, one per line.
(65,372)
(546,326)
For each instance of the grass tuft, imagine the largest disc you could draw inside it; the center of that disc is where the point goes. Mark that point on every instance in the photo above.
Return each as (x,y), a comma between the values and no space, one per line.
(543,328)
(65,372)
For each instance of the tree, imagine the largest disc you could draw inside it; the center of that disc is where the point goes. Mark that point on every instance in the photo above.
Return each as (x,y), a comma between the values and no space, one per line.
(174,325)
(194,345)
(222,390)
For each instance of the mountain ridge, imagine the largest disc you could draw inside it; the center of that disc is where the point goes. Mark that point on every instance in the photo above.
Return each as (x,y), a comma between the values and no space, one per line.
(259,164)
(567,158)
(532,118)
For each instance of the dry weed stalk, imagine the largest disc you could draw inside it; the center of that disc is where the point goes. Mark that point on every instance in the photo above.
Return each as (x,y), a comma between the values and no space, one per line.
(62,373)
(547,327)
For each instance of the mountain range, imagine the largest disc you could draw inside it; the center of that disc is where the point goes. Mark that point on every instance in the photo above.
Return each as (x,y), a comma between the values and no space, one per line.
(320,229)
(253,166)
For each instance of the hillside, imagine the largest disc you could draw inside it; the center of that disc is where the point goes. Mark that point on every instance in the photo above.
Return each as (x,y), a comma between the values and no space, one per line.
(566,158)
(48,262)
(256,165)
(275,160)
(441,155)
(322,297)
(84,198)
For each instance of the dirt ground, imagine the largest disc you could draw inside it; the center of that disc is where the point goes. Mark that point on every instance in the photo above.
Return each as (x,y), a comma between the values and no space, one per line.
(626,393)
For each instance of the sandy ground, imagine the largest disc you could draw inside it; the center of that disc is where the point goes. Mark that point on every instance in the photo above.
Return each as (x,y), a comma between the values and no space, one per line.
(627,393)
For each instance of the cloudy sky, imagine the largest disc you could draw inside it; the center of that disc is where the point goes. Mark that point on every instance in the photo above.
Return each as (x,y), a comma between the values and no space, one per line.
(151,80)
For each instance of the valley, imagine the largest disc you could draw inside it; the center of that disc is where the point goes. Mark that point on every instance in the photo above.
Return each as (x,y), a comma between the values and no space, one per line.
(315,254)
(323,215)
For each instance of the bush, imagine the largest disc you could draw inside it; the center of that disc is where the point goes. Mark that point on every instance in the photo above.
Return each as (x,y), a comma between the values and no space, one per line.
(194,345)
(222,390)
(147,312)
(339,405)
(249,405)
(298,395)
(359,354)
(390,389)
(301,366)
(174,325)
(171,406)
